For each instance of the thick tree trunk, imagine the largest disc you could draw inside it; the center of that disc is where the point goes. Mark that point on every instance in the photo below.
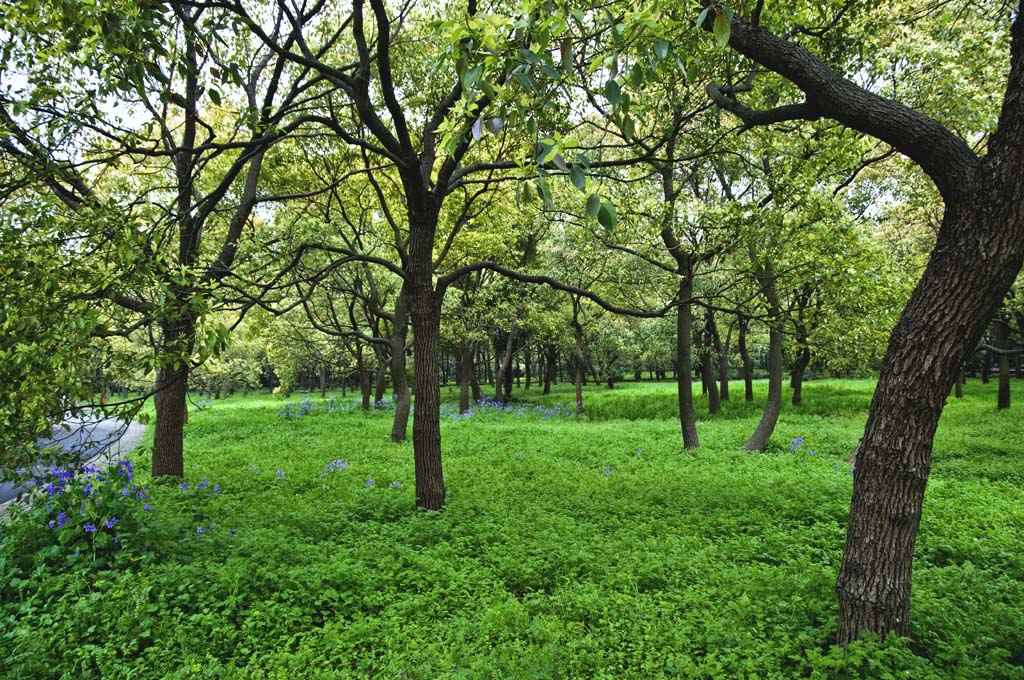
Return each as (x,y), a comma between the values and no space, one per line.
(684,361)
(399,380)
(747,362)
(960,290)
(170,400)
(766,279)
(425,307)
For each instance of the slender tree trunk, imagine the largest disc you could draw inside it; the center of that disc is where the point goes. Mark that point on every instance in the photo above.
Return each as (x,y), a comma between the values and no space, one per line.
(382,368)
(684,360)
(986,367)
(364,378)
(747,362)
(958,388)
(723,367)
(800,362)
(466,374)
(323,381)
(503,383)
(707,362)
(578,359)
(1002,339)
(403,400)
(766,279)
(474,382)
(528,367)
(551,367)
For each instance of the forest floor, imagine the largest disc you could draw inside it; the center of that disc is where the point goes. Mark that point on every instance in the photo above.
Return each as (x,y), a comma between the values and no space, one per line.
(592,548)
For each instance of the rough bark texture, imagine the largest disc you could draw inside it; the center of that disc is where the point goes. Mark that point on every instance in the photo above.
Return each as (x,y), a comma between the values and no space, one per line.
(723,367)
(426,320)
(798,368)
(550,367)
(977,255)
(503,383)
(171,394)
(707,362)
(382,372)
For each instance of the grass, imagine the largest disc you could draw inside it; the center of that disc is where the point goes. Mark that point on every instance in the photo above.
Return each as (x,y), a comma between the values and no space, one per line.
(568,549)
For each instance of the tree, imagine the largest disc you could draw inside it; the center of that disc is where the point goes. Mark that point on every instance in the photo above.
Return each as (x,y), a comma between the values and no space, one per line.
(959,291)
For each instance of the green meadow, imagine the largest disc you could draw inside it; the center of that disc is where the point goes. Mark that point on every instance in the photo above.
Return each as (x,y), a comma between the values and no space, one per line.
(588,549)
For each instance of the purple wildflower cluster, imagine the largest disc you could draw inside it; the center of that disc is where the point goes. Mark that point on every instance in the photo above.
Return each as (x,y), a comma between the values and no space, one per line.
(336,465)
(490,405)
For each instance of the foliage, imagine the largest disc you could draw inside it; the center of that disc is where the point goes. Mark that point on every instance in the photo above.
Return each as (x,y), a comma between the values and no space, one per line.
(568,549)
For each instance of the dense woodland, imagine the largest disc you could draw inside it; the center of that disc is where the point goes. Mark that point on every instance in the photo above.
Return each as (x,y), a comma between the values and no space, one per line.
(424,209)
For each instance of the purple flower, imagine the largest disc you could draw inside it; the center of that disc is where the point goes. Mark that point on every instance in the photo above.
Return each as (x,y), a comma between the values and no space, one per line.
(202,485)
(89,528)
(126,492)
(280,473)
(607,471)
(370,483)
(200,530)
(795,444)
(396,484)
(216,488)
(184,485)
(146,507)
(52,524)
(62,519)
(110,522)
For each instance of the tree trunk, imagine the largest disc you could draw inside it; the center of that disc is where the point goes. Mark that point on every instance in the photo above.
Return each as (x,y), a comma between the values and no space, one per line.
(766,279)
(799,367)
(723,367)
(474,382)
(399,380)
(528,367)
(503,383)
(1002,339)
(425,306)
(364,378)
(578,360)
(382,368)
(684,361)
(550,368)
(748,364)
(958,388)
(323,381)
(707,362)
(466,374)
(170,397)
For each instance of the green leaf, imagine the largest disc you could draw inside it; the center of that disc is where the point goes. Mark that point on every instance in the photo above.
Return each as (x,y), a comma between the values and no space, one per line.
(578,179)
(606,216)
(215,97)
(593,205)
(613,92)
(721,30)
(661,49)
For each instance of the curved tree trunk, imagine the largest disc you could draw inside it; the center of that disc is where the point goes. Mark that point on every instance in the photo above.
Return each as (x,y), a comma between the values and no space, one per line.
(766,278)
(798,368)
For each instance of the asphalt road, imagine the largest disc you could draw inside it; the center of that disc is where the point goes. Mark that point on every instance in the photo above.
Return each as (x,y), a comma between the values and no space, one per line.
(87,437)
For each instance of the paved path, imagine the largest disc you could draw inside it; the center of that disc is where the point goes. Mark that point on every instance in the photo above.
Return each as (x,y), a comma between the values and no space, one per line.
(101,441)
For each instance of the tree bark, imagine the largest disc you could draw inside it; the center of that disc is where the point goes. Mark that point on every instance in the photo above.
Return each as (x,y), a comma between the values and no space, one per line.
(723,367)
(799,367)
(707,362)
(382,372)
(399,380)
(550,367)
(170,399)
(765,275)
(466,374)
(323,381)
(747,362)
(684,361)
(958,388)
(503,383)
(578,359)
(364,378)
(1001,335)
